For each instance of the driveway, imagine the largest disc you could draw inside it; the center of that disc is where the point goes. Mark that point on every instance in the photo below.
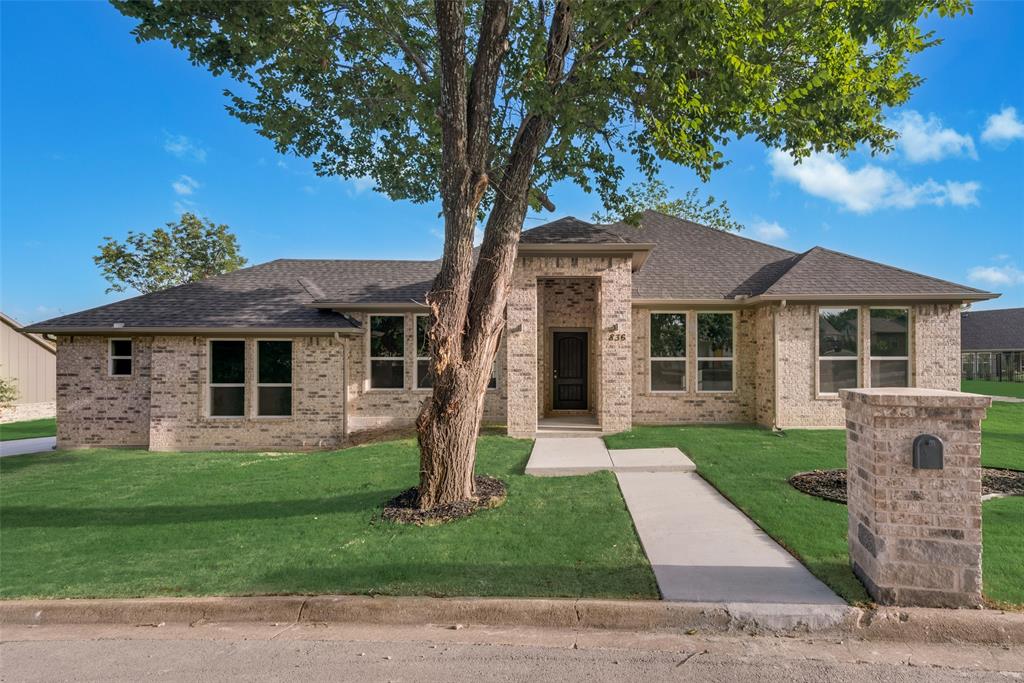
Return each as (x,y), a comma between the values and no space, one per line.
(24,446)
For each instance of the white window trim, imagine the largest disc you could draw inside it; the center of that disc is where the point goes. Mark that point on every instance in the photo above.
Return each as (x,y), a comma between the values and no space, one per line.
(417,358)
(256,397)
(370,358)
(731,358)
(910,343)
(210,385)
(111,357)
(685,358)
(817,352)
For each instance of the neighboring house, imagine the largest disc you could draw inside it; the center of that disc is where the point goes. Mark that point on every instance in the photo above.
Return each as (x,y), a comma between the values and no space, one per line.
(615,325)
(993,344)
(30,360)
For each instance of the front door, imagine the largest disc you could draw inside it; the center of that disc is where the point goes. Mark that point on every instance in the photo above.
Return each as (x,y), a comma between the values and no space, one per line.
(570,370)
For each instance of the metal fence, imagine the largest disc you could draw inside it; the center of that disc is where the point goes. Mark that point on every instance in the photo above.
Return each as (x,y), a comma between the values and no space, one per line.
(997,366)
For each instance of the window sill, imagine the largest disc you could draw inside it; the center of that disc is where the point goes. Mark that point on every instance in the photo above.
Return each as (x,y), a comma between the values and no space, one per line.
(387,390)
(714,392)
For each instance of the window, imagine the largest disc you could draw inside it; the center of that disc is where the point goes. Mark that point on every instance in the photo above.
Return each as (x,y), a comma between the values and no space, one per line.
(890,347)
(714,352)
(274,378)
(423,378)
(837,349)
(668,352)
(387,352)
(227,378)
(120,357)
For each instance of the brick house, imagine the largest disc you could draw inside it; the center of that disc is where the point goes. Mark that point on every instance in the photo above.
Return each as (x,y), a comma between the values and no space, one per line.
(608,326)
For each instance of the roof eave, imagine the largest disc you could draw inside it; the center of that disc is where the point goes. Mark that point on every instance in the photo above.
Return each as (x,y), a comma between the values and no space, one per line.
(360,306)
(109,331)
(948,296)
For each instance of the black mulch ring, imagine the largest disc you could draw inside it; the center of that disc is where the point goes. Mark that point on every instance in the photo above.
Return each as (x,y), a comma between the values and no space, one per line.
(488,492)
(831,484)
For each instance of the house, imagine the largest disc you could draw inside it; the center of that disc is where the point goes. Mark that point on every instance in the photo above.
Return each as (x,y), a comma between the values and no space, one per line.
(612,325)
(992,344)
(30,361)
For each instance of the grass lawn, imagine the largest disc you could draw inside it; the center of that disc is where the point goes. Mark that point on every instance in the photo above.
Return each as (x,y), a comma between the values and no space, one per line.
(29,429)
(108,523)
(981,386)
(751,466)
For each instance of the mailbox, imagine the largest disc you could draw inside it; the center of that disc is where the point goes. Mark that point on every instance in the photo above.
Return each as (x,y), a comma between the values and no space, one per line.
(927,452)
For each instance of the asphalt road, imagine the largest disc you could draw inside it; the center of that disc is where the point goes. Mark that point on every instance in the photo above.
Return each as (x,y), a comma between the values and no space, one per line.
(310,652)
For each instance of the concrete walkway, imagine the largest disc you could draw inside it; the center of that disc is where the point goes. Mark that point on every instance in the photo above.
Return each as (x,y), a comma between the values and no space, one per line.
(702,548)
(25,446)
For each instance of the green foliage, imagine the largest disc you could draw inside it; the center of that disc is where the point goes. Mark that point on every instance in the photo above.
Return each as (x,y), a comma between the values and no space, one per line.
(8,392)
(186,251)
(356,86)
(654,195)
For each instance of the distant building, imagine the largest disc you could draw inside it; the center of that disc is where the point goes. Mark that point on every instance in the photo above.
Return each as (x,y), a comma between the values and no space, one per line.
(31,361)
(992,345)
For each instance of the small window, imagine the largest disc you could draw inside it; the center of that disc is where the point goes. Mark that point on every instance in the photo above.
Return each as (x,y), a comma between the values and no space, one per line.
(120,357)
(423,378)
(227,378)
(890,347)
(274,378)
(837,349)
(387,352)
(714,352)
(668,352)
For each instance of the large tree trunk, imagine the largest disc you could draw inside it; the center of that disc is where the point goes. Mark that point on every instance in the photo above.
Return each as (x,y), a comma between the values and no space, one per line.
(468,304)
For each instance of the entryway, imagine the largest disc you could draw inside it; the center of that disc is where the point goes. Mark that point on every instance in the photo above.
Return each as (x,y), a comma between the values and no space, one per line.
(569,351)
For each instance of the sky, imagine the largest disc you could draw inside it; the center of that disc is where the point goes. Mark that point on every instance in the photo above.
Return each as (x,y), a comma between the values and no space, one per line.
(100,135)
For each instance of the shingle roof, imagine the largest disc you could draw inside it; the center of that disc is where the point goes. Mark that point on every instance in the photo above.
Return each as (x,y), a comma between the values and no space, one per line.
(992,330)
(689,262)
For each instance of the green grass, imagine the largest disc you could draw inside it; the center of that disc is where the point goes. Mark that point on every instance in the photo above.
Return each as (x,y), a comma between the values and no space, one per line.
(751,466)
(109,523)
(29,429)
(981,386)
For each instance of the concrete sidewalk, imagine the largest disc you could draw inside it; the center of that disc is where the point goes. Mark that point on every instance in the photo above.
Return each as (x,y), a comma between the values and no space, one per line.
(25,446)
(560,457)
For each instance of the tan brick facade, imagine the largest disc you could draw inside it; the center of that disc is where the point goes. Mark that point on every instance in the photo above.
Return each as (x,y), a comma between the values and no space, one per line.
(915,534)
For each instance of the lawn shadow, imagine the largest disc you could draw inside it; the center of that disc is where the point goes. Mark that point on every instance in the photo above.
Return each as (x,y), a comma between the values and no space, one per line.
(16,463)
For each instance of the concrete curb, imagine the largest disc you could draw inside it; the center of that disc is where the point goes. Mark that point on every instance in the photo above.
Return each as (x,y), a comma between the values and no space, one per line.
(888,623)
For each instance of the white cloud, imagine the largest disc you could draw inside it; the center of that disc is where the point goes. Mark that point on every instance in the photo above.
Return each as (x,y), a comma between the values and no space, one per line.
(185,185)
(183,147)
(1003,127)
(868,188)
(926,140)
(997,276)
(769,232)
(358,185)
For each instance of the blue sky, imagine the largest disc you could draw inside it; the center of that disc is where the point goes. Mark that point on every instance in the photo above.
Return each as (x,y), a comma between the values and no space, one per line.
(99,135)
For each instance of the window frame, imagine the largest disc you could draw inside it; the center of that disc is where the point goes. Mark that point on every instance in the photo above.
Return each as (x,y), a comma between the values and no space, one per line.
(370,357)
(290,385)
(111,357)
(818,393)
(685,358)
(699,358)
(910,344)
(210,384)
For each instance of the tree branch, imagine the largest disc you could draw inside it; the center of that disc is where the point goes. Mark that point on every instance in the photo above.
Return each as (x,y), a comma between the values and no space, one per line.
(491,47)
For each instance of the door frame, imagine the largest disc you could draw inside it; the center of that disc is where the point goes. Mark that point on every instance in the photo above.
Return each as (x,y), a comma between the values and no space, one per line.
(589,331)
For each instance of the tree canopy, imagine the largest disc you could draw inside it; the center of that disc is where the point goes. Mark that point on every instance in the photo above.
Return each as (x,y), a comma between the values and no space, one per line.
(655,195)
(188,250)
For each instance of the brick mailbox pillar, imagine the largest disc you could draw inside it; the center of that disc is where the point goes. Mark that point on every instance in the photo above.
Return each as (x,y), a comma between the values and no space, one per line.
(915,523)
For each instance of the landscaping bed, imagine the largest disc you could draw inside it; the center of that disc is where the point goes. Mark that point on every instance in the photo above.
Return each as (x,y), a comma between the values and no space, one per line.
(488,493)
(831,484)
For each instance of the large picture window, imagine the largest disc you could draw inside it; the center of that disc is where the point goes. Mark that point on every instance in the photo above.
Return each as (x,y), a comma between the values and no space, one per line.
(714,352)
(837,349)
(668,352)
(120,357)
(274,378)
(890,347)
(387,352)
(423,378)
(227,378)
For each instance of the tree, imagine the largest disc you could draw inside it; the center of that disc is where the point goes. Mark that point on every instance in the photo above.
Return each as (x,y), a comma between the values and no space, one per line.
(487,104)
(186,251)
(653,194)
(8,392)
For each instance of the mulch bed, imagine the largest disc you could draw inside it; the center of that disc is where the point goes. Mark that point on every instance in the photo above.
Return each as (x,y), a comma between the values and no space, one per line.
(488,492)
(831,484)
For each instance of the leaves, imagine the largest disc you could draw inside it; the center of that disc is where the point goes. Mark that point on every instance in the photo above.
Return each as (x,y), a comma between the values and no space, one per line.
(186,251)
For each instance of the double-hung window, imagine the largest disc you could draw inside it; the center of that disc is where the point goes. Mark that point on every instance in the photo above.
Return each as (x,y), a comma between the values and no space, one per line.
(227,378)
(423,378)
(387,351)
(274,378)
(120,364)
(837,349)
(714,352)
(668,352)
(890,347)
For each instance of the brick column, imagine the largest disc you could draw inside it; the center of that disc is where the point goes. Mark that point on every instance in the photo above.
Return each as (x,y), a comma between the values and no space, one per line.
(915,534)
(615,348)
(521,354)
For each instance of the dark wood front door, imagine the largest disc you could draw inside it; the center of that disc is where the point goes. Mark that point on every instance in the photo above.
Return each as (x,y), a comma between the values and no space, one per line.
(569,370)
